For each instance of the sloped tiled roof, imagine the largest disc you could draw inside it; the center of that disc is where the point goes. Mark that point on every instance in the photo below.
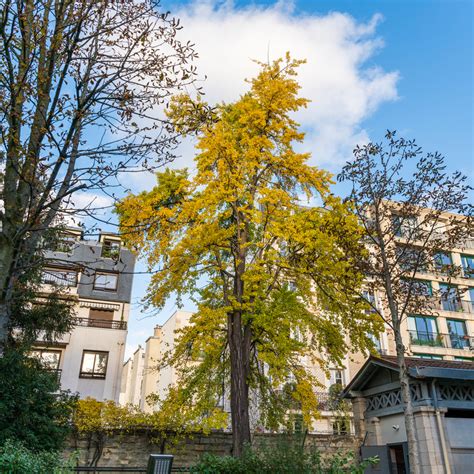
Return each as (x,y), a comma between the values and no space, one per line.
(419,362)
(418,368)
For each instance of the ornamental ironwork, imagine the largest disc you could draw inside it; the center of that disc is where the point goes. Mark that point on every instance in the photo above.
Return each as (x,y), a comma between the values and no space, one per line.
(384,400)
(456,393)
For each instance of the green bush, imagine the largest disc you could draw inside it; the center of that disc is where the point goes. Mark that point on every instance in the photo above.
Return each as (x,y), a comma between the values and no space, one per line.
(16,459)
(282,458)
(32,410)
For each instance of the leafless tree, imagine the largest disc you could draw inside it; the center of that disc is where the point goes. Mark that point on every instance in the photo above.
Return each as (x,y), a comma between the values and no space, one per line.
(81,86)
(414,213)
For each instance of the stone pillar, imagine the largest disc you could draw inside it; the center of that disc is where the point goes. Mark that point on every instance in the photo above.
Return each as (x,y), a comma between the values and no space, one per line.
(429,442)
(359,405)
(374,436)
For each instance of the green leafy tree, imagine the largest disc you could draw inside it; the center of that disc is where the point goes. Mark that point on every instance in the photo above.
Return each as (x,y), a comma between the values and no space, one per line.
(32,409)
(269,276)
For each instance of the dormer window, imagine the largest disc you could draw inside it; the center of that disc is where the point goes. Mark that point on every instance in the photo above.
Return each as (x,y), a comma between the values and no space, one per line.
(111,248)
(106,281)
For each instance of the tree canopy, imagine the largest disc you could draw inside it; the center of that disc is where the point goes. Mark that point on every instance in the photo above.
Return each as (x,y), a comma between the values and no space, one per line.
(268,274)
(414,213)
(82,87)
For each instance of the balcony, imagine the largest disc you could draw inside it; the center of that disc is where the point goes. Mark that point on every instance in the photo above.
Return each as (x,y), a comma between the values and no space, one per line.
(431,339)
(101,323)
(453,305)
(329,402)
(448,341)
(62,339)
(56,372)
(468,244)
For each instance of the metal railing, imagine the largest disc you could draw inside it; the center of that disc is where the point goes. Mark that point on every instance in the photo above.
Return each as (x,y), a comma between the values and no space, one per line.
(56,372)
(100,323)
(59,278)
(449,341)
(328,401)
(431,339)
(453,305)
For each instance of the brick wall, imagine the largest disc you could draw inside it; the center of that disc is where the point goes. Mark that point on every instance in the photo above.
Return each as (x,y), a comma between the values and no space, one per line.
(133,449)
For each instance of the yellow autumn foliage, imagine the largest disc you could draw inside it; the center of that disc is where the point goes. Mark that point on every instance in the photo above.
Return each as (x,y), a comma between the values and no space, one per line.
(273,279)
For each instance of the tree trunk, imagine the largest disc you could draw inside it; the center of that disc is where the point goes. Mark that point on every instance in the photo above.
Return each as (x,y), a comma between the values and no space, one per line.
(410,427)
(6,263)
(239,390)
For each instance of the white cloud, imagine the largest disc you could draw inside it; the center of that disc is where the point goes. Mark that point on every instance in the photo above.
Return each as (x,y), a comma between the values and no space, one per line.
(81,205)
(343,88)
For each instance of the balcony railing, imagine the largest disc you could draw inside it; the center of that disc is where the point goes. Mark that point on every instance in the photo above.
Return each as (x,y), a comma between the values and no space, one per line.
(449,341)
(453,305)
(328,402)
(468,244)
(431,339)
(101,323)
(56,373)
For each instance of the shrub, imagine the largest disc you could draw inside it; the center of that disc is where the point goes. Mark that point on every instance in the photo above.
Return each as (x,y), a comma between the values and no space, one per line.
(32,410)
(281,458)
(15,458)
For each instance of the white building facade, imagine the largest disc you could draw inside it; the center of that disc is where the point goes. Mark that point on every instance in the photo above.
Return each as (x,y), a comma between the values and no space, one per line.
(97,278)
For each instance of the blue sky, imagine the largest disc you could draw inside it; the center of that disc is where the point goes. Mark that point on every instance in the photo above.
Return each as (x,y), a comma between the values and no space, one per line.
(372,65)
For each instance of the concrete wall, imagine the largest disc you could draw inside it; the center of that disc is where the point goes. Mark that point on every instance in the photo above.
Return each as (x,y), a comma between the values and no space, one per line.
(389,434)
(150,371)
(167,376)
(133,449)
(95,339)
(460,434)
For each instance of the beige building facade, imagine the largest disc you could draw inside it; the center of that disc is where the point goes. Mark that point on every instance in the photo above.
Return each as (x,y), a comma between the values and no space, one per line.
(141,376)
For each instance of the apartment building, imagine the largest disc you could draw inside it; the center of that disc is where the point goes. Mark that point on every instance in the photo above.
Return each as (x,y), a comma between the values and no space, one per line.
(141,376)
(448,333)
(445,328)
(96,276)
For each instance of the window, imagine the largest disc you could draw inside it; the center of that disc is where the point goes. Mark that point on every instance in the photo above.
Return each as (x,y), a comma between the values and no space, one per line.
(468,359)
(106,281)
(65,243)
(341,425)
(48,358)
(337,377)
(376,341)
(450,300)
(424,331)
(111,249)
(458,334)
(94,364)
(298,423)
(411,259)
(101,314)
(428,356)
(417,287)
(370,298)
(471,298)
(59,277)
(443,262)
(101,318)
(468,266)
(404,226)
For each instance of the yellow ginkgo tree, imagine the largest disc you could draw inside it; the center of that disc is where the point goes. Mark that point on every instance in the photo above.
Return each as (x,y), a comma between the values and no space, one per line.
(269,276)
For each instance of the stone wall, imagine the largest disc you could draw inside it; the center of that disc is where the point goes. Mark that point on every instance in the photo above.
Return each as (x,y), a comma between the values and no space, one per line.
(133,449)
